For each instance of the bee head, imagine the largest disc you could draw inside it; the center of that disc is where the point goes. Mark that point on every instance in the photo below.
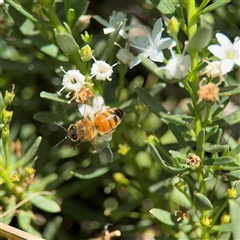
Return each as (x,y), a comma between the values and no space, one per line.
(72,133)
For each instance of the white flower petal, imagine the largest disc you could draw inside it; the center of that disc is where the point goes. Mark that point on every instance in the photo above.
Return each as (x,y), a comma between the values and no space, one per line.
(226,66)
(217,51)
(134,63)
(236,52)
(157,56)
(224,41)
(157,30)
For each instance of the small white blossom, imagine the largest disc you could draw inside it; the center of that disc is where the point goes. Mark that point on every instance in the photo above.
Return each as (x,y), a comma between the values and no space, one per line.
(115,19)
(124,55)
(227,52)
(178,66)
(213,69)
(73,80)
(101,70)
(152,46)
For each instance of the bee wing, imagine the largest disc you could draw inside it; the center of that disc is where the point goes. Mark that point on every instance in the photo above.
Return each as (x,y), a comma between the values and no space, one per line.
(103,149)
(86,110)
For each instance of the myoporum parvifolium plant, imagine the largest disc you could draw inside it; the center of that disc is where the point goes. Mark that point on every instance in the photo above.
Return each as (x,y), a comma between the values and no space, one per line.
(172,67)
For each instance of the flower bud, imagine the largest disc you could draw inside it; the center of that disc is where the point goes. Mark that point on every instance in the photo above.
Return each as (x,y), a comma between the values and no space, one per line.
(173,27)
(120,178)
(232,193)
(16,177)
(86,53)
(30,170)
(205,222)
(7,115)
(225,219)
(123,149)
(86,37)
(181,186)
(153,140)
(8,98)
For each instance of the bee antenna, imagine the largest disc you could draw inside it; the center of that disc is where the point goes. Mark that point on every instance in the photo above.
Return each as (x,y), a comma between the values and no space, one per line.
(61,126)
(64,130)
(61,141)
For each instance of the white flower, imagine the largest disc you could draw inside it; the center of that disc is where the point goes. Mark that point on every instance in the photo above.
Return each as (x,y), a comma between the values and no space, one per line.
(101,70)
(178,66)
(73,80)
(227,52)
(213,69)
(115,19)
(152,46)
(124,55)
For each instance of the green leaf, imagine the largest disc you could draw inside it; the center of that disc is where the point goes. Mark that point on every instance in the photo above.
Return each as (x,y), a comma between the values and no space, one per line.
(28,28)
(29,155)
(178,155)
(201,202)
(178,134)
(178,119)
(211,131)
(230,91)
(163,216)
(21,10)
(150,102)
(97,173)
(49,117)
(235,218)
(50,50)
(24,219)
(214,6)
(214,148)
(199,40)
(235,153)
(229,120)
(233,175)
(53,97)
(66,42)
(45,204)
(219,161)
(45,181)
(52,227)
(10,205)
(164,6)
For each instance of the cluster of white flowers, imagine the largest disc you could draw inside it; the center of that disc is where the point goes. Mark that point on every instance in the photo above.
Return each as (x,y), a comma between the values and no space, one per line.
(151,46)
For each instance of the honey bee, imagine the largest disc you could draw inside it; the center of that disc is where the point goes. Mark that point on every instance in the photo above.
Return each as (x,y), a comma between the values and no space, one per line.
(96,127)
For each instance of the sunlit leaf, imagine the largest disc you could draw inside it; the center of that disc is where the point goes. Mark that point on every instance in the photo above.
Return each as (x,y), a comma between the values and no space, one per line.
(162,215)
(215,5)
(45,204)
(164,6)
(52,96)
(97,173)
(24,219)
(214,148)
(230,91)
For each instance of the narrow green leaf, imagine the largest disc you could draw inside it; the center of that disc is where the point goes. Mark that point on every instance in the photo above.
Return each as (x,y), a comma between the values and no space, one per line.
(211,131)
(49,117)
(10,205)
(52,96)
(219,161)
(150,102)
(45,204)
(163,216)
(45,181)
(156,156)
(178,155)
(230,91)
(97,173)
(28,28)
(214,6)
(178,119)
(199,40)
(52,227)
(164,6)
(20,9)
(233,175)
(178,133)
(214,148)
(229,120)
(235,217)
(201,202)
(29,155)
(235,153)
